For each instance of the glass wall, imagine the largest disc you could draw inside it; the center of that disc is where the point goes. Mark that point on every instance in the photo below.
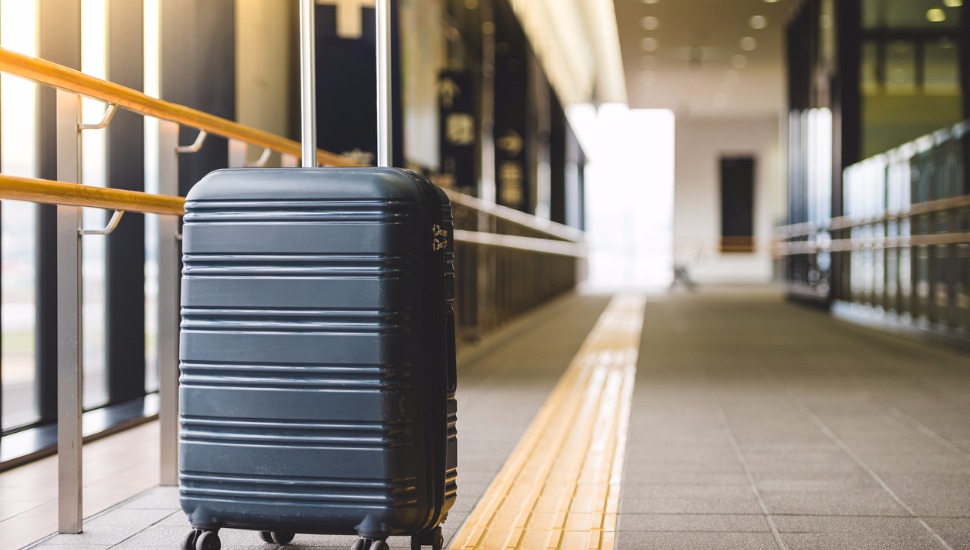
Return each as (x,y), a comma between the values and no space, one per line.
(866,77)
(18,158)
(909,256)
(910,71)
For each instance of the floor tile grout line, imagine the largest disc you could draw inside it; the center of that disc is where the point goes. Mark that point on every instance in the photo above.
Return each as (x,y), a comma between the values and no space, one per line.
(924,429)
(729,432)
(135,534)
(820,424)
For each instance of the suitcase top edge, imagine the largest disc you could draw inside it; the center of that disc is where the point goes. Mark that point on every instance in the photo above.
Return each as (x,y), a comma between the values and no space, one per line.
(274,184)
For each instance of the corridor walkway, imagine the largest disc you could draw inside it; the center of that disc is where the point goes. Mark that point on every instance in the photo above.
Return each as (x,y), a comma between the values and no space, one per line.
(761,424)
(754,424)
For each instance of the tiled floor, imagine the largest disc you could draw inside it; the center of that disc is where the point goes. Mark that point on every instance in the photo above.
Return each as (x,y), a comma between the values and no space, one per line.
(115,469)
(755,424)
(502,383)
(761,424)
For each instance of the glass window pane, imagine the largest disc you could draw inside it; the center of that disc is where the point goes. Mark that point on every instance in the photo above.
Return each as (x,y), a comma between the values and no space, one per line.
(94,174)
(901,67)
(942,73)
(19,158)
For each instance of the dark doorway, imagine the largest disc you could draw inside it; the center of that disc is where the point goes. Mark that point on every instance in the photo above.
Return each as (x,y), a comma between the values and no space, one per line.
(737,204)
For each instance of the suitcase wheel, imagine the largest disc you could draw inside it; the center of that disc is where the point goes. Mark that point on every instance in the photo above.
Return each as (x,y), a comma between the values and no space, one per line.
(276,537)
(432,538)
(199,539)
(369,544)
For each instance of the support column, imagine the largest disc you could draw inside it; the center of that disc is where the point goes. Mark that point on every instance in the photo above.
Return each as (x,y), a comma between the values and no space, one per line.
(168,308)
(70,371)
(513,182)
(847,120)
(557,161)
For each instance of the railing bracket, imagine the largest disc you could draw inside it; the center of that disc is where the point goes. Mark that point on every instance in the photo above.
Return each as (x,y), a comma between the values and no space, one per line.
(109,113)
(108,229)
(196,145)
(262,160)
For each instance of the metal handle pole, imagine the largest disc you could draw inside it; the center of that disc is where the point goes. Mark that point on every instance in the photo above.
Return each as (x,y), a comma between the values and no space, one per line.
(383,16)
(308,85)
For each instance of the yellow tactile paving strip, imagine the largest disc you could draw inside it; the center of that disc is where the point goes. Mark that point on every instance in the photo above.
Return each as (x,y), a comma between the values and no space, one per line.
(560,487)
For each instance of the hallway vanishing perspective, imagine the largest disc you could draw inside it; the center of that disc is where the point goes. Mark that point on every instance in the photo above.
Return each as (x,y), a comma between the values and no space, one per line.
(485,274)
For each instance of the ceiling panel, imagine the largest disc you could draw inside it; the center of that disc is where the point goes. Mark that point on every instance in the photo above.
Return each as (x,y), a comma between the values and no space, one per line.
(704,57)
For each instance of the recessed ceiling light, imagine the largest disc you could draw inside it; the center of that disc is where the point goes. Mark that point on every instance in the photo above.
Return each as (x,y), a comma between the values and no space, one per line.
(650,1)
(748,43)
(650,22)
(770,1)
(953,3)
(650,44)
(935,15)
(758,22)
(739,61)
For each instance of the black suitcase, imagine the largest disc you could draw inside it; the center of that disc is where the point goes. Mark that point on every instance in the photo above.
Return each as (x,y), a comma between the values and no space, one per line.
(317,356)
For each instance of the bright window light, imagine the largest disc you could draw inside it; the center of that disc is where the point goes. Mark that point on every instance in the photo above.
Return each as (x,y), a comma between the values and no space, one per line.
(629,194)
(18,126)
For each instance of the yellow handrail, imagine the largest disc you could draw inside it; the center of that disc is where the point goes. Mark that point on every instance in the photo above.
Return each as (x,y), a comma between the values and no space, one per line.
(73,194)
(58,76)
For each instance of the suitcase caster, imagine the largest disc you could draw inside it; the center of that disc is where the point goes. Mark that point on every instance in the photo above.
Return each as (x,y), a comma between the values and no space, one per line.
(432,538)
(369,544)
(200,539)
(276,537)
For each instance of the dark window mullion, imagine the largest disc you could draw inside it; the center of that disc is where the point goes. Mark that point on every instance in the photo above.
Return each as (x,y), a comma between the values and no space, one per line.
(60,42)
(125,248)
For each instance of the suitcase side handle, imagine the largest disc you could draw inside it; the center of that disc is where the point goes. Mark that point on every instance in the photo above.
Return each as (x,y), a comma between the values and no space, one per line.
(308,122)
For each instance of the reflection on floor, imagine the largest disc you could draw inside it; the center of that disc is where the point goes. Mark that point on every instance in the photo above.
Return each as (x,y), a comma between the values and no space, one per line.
(115,469)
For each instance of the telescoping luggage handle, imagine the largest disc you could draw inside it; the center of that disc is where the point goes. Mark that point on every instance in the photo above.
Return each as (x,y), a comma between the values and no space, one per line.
(308,83)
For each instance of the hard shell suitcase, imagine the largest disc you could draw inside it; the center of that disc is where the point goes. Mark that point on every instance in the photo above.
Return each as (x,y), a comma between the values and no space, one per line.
(317,356)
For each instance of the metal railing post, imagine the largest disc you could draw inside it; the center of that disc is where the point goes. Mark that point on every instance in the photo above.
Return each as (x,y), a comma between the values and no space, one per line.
(70,378)
(168,307)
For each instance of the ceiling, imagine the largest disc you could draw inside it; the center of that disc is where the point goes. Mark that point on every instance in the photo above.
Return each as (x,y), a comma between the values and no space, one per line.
(692,56)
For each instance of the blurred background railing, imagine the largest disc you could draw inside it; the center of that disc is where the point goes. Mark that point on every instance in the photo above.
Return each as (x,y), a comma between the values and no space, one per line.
(904,240)
(508,262)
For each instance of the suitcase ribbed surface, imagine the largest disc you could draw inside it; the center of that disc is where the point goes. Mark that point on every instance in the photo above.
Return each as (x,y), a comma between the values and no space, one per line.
(302,365)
